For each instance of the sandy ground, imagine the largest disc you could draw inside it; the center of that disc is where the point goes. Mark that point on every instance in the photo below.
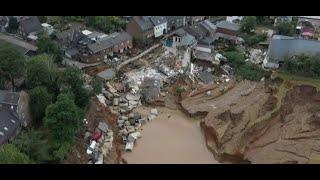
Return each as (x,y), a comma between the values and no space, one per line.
(171,138)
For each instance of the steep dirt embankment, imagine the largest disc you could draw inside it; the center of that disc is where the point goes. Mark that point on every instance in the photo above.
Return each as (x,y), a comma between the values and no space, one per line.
(246,124)
(293,135)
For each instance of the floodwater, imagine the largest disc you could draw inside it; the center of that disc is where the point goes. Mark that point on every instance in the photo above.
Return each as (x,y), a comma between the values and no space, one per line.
(171,138)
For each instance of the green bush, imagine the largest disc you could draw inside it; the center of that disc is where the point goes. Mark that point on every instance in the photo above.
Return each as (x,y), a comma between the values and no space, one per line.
(180,90)
(245,70)
(255,39)
(303,65)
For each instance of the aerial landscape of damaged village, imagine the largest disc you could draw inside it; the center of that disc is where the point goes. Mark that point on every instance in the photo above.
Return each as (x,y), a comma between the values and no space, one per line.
(159,89)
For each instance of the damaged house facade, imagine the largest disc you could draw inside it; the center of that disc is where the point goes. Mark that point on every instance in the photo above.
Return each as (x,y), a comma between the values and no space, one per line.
(14,113)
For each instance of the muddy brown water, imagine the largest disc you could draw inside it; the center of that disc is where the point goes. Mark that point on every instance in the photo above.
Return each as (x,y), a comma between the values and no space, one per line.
(171,138)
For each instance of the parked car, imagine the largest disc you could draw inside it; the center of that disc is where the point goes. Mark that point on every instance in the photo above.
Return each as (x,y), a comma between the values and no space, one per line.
(91,147)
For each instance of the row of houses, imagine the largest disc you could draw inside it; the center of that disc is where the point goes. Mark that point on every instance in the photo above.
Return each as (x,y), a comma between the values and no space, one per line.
(89,46)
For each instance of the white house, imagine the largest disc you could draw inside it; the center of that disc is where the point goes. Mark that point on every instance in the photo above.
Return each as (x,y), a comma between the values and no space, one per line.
(234,19)
(47,28)
(160,25)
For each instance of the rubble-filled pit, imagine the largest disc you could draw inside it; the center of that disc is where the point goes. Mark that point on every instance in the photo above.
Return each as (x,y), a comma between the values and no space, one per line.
(172,137)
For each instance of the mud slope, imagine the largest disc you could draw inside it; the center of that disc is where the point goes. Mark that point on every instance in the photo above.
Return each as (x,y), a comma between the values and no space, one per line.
(293,136)
(240,125)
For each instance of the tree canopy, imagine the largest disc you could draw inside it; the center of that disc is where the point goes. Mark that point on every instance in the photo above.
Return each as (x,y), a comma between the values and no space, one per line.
(40,98)
(285,28)
(46,45)
(12,63)
(41,71)
(10,154)
(248,24)
(63,118)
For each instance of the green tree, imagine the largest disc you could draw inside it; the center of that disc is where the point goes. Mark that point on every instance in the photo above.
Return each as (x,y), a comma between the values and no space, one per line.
(13,25)
(34,144)
(46,45)
(72,79)
(43,19)
(40,98)
(61,151)
(96,86)
(248,24)
(41,71)
(285,28)
(10,154)
(12,64)
(64,118)
(108,24)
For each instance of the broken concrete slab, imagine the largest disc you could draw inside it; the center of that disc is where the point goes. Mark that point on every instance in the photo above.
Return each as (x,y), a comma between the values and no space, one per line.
(124,117)
(115,101)
(111,88)
(154,112)
(103,127)
(151,117)
(132,97)
(133,103)
(129,146)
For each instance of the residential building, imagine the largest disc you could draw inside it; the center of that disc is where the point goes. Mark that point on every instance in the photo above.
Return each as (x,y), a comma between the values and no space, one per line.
(281,19)
(47,28)
(14,113)
(159,25)
(29,26)
(140,27)
(314,20)
(194,19)
(228,28)
(282,47)
(175,22)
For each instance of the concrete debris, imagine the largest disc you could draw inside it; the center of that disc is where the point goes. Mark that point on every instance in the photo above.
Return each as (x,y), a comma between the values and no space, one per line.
(102,99)
(256,56)
(129,146)
(111,88)
(131,97)
(115,101)
(209,93)
(151,117)
(154,112)
(103,127)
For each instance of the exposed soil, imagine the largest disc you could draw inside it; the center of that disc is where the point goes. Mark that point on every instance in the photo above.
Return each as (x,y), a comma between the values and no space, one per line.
(243,126)
(94,70)
(97,113)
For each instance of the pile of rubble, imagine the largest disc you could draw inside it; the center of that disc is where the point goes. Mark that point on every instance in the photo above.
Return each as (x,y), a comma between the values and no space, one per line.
(100,143)
(256,56)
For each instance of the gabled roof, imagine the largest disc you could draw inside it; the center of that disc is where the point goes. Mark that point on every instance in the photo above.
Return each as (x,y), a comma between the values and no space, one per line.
(157,20)
(143,22)
(109,41)
(228,25)
(9,124)
(31,24)
(10,98)
(206,24)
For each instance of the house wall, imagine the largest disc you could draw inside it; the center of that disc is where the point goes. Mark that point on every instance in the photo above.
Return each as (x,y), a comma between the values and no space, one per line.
(119,48)
(134,30)
(226,31)
(176,23)
(158,30)
(23,109)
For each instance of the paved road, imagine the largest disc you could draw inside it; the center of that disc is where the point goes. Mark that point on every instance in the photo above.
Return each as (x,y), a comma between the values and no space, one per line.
(18,42)
(78,64)
(138,56)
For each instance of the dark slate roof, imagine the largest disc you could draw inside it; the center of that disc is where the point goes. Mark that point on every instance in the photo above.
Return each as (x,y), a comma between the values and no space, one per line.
(228,25)
(110,41)
(99,46)
(157,20)
(284,46)
(206,77)
(143,22)
(206,24)
(107,74)
(196,31)
(117,38)
(31,24)
(9,124)
(7,97)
